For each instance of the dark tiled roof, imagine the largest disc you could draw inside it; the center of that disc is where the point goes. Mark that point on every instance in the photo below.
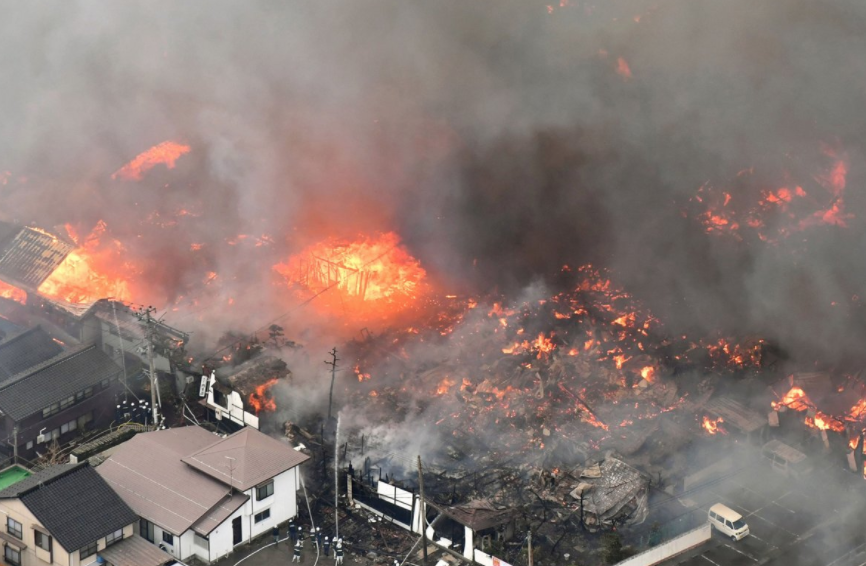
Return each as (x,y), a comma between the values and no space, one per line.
(25,350)
(36,388)
(78,507)
(32,481)
(29,256)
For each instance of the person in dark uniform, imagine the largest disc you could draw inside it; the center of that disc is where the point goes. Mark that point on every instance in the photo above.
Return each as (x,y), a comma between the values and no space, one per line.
(338,552)
(327,546)
(276,532)
(301,535)
(293,531)
(319,537)
(296,556)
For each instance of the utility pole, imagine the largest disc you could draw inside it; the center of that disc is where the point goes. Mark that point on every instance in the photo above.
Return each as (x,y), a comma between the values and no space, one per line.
(144,316)
(529,540)
(423,510)
(333,364)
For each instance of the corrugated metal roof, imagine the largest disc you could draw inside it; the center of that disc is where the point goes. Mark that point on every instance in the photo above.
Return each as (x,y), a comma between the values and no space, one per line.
(149,475)
(64,375)
(135,551)
(256,458)
(31,255)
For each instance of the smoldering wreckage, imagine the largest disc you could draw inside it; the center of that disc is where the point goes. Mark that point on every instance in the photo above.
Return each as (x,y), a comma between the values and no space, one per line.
(517,376)
(560,419)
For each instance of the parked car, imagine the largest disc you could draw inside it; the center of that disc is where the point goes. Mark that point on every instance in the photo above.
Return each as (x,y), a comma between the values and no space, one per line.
(728,522)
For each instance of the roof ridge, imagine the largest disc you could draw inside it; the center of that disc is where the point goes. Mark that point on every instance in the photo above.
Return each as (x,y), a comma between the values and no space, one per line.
(59,358)
(72,468)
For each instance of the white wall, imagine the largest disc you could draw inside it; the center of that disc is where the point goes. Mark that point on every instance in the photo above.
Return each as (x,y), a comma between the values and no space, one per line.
(221,537)
(670,548)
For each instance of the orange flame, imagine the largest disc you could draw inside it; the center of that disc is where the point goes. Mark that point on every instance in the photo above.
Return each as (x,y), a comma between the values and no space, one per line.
(825,422)
(165,153)
(375,271)
(86,274)
(261,399)
(14,293)
(444,386)
(795,399)
(648,373)
(713,426)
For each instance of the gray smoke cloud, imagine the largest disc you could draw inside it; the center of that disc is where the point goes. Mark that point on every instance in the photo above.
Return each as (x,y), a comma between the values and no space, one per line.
(499,139)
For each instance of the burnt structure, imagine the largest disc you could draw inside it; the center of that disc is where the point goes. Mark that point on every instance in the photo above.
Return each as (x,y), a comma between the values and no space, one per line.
(29,255)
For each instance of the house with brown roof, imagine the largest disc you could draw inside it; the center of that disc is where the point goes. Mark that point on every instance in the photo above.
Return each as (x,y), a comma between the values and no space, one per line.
(199,494)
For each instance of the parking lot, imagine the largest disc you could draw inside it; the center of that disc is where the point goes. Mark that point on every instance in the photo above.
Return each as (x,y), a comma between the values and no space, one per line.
(792,522)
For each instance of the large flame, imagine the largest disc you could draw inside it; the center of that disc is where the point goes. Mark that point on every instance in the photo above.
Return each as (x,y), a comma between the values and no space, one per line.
(261,399)
(374,271)
(89,273)
(14,293)
(165,153)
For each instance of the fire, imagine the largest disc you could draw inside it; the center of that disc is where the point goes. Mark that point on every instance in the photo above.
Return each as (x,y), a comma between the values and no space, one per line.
(648,373)
(86,274)
(543,345)
(13,293)
(713,425)
(261,399)
(825,422)
(444,386)
(795,399)
(622,68)
(377,271)
(165,153)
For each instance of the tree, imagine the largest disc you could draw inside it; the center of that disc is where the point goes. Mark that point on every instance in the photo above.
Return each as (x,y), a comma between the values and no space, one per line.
(276,335)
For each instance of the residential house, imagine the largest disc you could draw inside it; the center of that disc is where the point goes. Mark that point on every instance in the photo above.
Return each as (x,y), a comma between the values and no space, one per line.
(199,494)
(48,392)
(28,255)
(68,515)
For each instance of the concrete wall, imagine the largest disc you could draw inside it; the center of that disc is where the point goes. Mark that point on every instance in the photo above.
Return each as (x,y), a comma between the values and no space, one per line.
(670,548)
(709,473)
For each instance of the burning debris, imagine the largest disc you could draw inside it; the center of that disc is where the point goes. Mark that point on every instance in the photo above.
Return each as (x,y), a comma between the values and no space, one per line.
(166,153)
(367,274)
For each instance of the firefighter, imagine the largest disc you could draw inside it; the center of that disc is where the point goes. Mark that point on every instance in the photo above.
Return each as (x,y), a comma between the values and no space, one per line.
(327,546)
(293,531)
(313,536)
(276,532)
(319,537)
(296,557)
(338,552)
(301,535)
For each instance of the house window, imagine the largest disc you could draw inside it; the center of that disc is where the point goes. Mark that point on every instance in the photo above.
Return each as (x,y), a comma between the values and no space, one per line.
(29,445)
(53,409)
(88,550)
(145,529)
(43,541)
(68,402)
(105,383)
(84,419)
(263,515)
(202,542)
(168,538)
(14,528)
(265,491)
(12,556)
(114,537)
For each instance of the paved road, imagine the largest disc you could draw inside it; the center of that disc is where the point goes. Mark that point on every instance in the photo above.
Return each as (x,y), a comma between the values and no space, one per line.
(815,522)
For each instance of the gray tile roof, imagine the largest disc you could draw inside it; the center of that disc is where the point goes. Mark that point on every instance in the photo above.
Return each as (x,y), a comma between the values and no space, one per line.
(135,551)
(34,480)
(147,472)
(38,387)
(257,458)
(26,350)
(77,506)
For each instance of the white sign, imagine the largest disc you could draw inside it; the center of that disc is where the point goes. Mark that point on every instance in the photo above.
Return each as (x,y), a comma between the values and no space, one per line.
(202,390)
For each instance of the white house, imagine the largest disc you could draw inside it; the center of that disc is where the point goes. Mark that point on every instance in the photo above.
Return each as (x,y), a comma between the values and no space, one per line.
(198,494)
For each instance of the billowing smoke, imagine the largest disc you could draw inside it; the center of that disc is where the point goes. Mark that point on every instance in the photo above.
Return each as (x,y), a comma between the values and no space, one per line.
(501,140)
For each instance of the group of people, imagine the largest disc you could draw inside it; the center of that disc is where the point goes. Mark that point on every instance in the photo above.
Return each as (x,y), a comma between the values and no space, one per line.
(297,535)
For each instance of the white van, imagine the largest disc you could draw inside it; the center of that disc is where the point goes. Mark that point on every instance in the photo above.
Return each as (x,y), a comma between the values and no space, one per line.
(728,522)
